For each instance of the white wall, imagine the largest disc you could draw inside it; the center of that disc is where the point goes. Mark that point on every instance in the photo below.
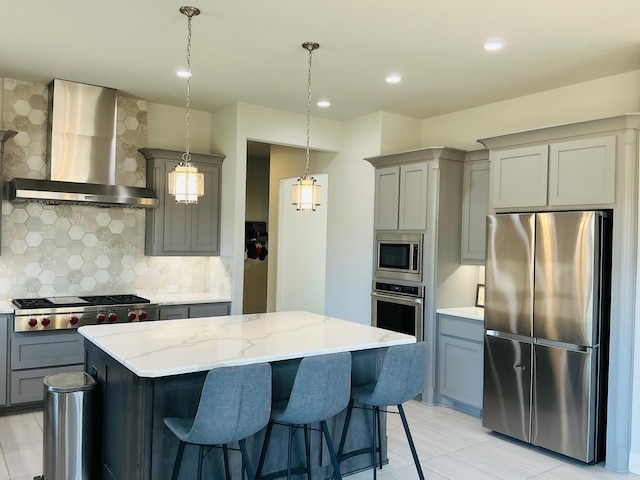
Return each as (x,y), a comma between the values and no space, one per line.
(167,129)
(600,98)
(231,127)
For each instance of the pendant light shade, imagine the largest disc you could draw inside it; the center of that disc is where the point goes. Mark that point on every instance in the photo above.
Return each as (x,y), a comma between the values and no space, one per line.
(307,194)
(186,184)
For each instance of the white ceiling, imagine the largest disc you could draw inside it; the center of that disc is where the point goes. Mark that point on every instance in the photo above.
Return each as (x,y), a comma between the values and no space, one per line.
(250,50)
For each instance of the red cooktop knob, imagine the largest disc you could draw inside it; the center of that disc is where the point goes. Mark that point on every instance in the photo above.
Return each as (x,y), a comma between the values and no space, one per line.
(132,316)
(33,322)
(46,322)
(143,315)
(112,317)
(101,318)
(73,320)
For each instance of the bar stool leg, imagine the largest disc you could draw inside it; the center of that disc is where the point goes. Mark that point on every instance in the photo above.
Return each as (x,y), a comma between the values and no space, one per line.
(343,437)
(307,450)
(377,409)
(178,461)
(225,454)
(263,452)
(410,439)
(374,437)
(289,448)
(332,452)
(246,462)
(200,458)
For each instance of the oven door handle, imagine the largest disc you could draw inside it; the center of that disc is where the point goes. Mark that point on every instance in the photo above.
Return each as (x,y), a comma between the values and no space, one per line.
(398,298)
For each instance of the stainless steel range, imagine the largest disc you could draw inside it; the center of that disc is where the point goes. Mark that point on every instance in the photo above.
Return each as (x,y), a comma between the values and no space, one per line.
(58,313)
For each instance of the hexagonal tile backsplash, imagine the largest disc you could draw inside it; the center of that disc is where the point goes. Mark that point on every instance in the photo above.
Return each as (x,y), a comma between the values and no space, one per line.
(68,250)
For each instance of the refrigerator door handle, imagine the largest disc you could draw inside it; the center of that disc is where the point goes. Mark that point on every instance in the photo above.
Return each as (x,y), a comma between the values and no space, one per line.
(510,336)
(521,366)
(565,346)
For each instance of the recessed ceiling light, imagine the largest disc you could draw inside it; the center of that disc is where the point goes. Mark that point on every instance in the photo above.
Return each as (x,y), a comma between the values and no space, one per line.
(393,78)
(324,103)
(493,46)
(183,73)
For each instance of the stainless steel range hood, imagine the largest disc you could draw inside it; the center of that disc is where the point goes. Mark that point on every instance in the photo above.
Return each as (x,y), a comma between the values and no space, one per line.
(81,152)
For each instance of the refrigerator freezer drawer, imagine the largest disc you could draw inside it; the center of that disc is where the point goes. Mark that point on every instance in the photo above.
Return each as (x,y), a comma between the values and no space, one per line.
(506,406)
(564,401)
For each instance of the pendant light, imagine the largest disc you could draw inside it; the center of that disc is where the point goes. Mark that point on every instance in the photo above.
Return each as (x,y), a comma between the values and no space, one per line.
(186,184)
(306,194)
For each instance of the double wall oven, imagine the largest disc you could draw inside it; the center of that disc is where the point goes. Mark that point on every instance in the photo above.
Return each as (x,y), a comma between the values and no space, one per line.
(397,297)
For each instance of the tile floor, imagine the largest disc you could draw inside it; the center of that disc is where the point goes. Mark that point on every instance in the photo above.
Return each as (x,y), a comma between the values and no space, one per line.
(451,446)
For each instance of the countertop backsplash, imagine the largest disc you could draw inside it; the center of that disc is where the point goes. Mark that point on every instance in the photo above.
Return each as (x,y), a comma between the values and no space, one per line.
(52,250)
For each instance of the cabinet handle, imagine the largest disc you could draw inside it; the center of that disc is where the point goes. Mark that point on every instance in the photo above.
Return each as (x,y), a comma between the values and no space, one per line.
(520,366)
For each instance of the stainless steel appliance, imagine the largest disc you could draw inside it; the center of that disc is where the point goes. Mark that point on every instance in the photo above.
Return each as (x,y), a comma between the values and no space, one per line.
(546,329)
(399,256)
(57,313)
(398,307)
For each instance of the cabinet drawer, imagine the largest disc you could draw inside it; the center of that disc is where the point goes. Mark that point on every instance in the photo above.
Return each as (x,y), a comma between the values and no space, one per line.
(461,327)
(174,313)
(50,349)
(209,310)
(27,385)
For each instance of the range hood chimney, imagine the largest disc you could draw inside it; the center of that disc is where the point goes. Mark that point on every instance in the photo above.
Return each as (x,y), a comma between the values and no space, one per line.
(81,152)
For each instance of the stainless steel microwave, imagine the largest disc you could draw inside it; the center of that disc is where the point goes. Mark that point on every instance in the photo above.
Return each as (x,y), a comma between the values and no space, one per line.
(399,256)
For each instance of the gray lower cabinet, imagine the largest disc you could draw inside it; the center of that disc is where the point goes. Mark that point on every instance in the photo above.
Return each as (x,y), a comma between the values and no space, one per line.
(5,321)
(179,229)
(196,310)
(460,362)
(35,355)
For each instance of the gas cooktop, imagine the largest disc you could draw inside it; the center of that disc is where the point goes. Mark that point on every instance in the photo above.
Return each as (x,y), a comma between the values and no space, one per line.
(86,301)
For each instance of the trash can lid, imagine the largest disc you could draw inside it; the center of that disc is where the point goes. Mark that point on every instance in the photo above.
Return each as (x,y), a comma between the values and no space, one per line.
(69,382)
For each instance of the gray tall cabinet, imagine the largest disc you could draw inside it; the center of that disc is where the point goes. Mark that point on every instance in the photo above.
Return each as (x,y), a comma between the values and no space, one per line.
(179,229)
(421,191)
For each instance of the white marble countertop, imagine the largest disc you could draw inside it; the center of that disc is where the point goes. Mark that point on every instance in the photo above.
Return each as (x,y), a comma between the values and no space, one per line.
(473,313)
(184,299)
(5,307)
(173,347)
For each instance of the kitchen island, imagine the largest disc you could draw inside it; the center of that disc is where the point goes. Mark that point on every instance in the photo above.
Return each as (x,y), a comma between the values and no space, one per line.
(151,370)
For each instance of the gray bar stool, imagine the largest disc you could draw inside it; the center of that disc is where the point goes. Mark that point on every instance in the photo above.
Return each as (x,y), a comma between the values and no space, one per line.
(320,391)
(235,403)
(401,378)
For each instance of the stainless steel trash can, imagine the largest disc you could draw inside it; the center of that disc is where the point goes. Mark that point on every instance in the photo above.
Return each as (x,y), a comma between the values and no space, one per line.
(67,425)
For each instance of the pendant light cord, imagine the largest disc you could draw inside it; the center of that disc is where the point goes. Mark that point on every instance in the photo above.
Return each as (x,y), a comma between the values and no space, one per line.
(190,12)
(310,46)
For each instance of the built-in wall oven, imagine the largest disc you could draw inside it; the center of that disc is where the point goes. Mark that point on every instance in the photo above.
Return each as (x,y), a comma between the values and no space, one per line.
(399,256)
(398,307)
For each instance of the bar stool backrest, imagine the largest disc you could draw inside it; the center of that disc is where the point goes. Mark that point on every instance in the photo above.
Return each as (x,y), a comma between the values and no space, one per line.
(321,389)
(402,375)
(235,403)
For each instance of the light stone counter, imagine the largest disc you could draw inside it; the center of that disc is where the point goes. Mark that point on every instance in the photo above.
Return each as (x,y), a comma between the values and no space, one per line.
(5,307)
(473,313)
(185,299)
(173,347)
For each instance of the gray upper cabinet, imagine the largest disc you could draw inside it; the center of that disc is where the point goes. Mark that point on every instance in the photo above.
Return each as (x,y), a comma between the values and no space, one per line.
(179,229)
(570,173)
(401,197)
(475,208)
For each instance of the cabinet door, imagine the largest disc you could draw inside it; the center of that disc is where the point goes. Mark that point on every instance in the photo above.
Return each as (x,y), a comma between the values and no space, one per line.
(475,208)
(519,177)
(209,310)
(205,233)
(413,196)
(460,370)
(176,236)
(582,172)
(174,312)
(4,352)
(387,198)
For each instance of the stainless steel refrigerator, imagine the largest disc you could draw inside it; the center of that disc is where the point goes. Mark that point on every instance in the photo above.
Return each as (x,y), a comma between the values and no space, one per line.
(546,329)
